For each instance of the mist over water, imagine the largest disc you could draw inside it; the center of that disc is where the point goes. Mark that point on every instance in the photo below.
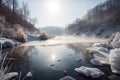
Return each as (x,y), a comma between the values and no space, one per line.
(65,40)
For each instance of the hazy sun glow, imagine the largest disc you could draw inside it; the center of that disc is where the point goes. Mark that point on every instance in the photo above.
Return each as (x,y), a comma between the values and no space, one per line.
(53,7)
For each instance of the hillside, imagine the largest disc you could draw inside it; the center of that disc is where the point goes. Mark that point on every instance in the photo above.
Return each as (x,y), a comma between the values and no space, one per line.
(102,21)
(15,21)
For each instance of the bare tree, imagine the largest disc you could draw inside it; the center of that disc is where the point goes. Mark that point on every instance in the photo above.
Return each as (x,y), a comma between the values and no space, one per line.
(0,2)
(33,20)
(25,11)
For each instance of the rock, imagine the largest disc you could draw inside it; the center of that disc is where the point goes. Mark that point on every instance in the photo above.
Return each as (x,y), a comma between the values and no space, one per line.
(52,65)
(65,72)
(114,77)
(7,45)
(93,72)
(114,59)
(67,78)
(58,60)
(96,62)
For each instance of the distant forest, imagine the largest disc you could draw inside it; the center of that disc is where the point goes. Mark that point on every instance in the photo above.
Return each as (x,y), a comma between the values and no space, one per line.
(14,14)
(102,21)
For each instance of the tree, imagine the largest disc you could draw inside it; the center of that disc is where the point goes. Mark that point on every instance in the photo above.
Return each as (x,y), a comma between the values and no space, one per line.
(33,21)
(0,2)
(25,11)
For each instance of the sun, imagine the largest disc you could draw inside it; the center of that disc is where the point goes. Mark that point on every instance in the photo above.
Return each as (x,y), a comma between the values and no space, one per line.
(53,7)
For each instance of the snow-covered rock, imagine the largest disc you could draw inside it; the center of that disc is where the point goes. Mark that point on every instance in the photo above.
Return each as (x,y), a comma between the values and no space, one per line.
(98,45)
(93,72)
(67,78)
(29,74)
(99,50)
(116,37)
(105,45)
(116,45)
(106,62)
(7,43)
(8,76)
(116,40)
(96,62)
(114,59)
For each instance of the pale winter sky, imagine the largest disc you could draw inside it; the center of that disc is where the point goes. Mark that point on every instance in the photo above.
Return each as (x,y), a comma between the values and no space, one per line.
(59,12)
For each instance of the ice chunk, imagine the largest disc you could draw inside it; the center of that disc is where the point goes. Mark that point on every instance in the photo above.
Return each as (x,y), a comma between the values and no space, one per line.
(96,62)
(67,78)
(93,72)
(114,59)
(96,49)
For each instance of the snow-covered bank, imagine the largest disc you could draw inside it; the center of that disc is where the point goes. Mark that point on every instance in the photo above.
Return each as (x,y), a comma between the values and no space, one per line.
(109,53)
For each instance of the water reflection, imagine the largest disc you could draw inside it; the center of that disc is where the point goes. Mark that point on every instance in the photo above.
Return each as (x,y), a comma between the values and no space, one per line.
(81,48)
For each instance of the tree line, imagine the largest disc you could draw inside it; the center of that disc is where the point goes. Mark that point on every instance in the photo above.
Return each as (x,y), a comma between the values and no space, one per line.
(14,14)
(97,20)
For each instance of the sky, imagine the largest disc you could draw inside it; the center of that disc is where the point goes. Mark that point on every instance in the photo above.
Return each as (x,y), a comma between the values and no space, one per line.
(59,12)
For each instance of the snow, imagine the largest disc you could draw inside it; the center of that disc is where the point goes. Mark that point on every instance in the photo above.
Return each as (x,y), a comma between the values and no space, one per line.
(114,59)
(67,78)
(99,50)
(29,74)
(116,40)
(98,44)
(93,72)
(2,19)
(10,75)
(99,62)
(116,37)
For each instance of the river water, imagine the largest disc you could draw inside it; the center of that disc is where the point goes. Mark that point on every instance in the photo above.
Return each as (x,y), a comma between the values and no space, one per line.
(52,62)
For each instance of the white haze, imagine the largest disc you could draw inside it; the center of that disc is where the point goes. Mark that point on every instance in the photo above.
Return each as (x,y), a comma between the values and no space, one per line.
(64,40)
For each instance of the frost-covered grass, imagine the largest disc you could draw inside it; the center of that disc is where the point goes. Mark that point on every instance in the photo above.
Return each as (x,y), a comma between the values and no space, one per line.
(16,32)
(4,69)
(5,66)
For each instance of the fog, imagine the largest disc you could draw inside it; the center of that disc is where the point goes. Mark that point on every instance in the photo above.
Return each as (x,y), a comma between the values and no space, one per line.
(58,40)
